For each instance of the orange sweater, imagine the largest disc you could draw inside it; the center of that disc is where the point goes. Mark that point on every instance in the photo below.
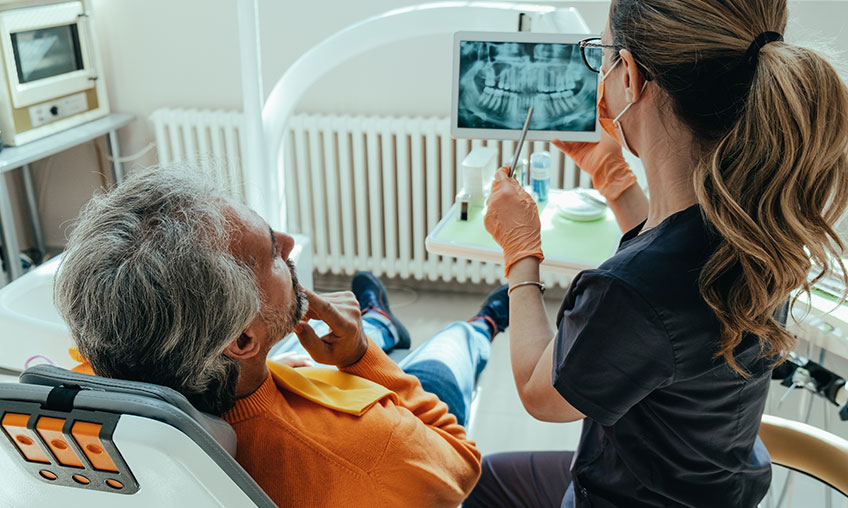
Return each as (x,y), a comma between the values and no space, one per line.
(406,454)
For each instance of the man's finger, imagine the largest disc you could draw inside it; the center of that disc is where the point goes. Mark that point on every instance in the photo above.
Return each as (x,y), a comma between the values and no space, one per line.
(309,315)
(299,361)
(323,310)
(293,359)
(306,335)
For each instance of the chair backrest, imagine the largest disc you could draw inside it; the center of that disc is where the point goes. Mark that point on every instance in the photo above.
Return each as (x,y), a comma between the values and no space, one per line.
(807,449)
(69,439)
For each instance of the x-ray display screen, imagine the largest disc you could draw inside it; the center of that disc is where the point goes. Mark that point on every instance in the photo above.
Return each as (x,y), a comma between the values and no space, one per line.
(499,81)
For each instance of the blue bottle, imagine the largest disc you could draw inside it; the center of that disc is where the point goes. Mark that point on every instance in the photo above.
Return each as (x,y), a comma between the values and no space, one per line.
(540,175)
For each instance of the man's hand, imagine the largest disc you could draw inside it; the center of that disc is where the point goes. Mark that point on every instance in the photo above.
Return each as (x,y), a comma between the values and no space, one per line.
(346,343)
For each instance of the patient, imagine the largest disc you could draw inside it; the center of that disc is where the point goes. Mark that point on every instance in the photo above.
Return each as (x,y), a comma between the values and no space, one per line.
(166,281)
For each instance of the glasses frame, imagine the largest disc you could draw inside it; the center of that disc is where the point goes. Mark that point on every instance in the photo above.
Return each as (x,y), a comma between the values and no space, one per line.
(593,42)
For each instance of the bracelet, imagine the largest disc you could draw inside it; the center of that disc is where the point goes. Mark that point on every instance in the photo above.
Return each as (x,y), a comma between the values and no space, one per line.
(527,283)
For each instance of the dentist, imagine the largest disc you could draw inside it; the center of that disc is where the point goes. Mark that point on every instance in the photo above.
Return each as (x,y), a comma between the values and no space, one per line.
(665,350)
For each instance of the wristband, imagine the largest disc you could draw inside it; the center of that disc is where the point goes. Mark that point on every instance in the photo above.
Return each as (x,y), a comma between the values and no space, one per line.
(527,283)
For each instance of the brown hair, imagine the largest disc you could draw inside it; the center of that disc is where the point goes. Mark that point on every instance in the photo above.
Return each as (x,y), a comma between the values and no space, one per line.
(772,131)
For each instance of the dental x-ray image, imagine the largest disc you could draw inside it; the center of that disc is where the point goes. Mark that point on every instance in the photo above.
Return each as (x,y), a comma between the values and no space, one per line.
(499,81)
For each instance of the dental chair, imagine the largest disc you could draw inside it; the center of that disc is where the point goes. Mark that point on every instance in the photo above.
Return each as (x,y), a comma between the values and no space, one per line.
(72,439)
(808,450)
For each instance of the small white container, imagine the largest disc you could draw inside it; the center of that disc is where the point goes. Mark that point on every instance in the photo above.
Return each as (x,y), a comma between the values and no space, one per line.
(478,168)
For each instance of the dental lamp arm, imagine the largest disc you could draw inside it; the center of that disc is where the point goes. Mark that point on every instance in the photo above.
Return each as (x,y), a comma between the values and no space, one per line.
(434,18)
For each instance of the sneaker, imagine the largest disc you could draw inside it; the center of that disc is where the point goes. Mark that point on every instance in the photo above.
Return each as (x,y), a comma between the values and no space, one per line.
(371,294)
(495,310)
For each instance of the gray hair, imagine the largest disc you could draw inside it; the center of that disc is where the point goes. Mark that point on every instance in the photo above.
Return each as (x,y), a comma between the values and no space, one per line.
(150,290)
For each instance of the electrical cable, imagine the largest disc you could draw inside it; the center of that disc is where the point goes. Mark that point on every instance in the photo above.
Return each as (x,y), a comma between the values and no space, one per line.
(131,158)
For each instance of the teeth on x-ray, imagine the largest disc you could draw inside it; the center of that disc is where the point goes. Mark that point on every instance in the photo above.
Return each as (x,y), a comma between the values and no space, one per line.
(499,81)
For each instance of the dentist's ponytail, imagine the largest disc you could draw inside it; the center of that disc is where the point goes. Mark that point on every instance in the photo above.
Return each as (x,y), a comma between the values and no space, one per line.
(772,177)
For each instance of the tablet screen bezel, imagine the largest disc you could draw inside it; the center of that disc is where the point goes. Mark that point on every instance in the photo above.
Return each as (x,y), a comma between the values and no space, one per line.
(512,134)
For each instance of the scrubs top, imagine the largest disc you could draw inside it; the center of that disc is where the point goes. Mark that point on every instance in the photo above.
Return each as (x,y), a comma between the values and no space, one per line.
(667,423)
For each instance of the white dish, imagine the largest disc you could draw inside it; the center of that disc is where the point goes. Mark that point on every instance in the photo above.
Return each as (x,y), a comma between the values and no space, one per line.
(579,205)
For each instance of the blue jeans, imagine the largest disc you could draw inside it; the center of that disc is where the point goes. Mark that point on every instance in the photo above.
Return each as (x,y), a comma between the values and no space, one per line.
(447,365)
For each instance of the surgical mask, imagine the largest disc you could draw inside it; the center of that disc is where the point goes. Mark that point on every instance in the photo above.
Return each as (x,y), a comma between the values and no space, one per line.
(612,126)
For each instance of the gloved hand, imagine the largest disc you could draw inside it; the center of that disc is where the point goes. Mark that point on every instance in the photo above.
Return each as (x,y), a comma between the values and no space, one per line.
(610,173)
(512,219)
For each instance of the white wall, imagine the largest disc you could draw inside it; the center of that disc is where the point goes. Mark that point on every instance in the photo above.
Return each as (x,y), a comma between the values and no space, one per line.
(185,54)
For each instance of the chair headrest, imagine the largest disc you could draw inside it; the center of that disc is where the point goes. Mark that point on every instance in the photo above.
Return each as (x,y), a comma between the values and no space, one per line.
(49,375)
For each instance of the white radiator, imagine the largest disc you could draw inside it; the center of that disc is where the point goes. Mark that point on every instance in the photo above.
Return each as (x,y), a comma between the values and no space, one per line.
(209,138)
(366,189)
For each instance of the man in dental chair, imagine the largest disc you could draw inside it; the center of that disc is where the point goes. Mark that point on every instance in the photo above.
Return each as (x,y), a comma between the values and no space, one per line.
(165,281)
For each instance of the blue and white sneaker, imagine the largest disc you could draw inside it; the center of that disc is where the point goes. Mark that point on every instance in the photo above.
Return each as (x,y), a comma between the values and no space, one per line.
(371,294)
(495,310)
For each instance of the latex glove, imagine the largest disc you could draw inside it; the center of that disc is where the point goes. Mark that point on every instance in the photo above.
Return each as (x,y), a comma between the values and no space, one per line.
(346,343)
(512,219)
(610,173)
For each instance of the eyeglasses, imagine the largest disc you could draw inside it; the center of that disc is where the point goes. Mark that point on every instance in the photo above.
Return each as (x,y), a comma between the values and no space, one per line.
(593,52)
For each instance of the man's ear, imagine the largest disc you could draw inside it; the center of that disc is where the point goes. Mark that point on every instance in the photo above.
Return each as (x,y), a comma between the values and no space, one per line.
(247,345)
(633,78)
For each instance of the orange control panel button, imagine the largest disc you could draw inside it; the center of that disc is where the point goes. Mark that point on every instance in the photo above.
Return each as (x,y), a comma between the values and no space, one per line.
(16,425)
(87,436)
(115,484)
(51,430)
(81,479)
(50,475)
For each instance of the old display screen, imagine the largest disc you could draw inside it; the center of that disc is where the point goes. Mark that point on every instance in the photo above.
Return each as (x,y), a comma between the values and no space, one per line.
(46,52)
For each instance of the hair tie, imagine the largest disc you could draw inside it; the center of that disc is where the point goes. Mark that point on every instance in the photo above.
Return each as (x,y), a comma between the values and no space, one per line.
(760,41)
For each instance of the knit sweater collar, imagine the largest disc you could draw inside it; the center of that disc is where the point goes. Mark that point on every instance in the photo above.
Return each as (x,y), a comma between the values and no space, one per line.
(254,404)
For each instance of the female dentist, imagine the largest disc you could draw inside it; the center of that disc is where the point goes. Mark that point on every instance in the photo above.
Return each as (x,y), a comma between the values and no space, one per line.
(665,351)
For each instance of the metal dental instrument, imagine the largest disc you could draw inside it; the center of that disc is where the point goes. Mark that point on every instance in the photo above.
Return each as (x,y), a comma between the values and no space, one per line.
(521,141)
(587,196)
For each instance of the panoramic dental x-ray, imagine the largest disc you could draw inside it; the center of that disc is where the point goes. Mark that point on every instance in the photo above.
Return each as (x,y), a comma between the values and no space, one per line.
(499,81)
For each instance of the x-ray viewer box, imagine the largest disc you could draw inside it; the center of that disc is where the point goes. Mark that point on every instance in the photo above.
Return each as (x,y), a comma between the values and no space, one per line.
(497,76)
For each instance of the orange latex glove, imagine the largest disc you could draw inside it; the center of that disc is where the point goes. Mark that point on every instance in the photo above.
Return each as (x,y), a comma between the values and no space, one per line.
(610,173)
(512,219)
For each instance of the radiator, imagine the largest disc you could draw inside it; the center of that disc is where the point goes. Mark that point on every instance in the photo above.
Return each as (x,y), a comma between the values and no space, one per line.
(366,189)
(210,139)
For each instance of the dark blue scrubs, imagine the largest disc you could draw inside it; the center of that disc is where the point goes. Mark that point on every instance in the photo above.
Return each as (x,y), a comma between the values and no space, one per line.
(668,424)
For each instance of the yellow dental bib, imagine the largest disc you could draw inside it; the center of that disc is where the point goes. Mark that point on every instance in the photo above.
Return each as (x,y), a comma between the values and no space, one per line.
(330,388)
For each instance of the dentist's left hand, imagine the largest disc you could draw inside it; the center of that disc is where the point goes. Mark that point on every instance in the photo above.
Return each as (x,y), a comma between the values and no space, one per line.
(346,343)
(512,219)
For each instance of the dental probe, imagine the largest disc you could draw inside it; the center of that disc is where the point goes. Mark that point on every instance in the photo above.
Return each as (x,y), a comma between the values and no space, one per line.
(521,141)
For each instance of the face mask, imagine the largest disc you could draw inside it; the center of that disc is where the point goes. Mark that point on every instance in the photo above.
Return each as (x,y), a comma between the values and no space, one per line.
(612,126)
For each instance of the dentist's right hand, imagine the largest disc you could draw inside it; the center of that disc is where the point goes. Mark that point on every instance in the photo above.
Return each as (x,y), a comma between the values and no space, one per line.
(611,175)
(512,219)
(346,343)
